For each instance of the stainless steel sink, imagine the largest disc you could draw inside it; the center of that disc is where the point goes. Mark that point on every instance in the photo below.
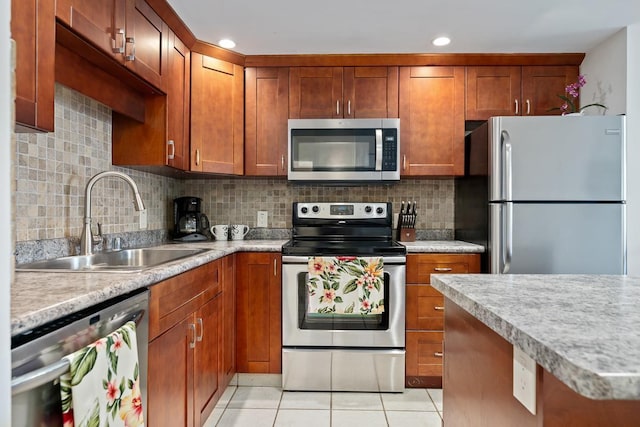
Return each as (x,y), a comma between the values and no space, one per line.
(126,260)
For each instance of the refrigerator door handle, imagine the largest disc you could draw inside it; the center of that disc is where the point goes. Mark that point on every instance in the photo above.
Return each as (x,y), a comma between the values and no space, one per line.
(507,190)
(508,237)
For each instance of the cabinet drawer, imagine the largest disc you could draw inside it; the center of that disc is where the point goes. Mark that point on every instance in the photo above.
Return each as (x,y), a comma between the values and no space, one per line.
(424,308)
(421,267)
(173,299)
(424,354)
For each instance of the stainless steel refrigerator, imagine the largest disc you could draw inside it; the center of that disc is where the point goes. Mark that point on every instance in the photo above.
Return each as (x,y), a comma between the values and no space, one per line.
(546,194)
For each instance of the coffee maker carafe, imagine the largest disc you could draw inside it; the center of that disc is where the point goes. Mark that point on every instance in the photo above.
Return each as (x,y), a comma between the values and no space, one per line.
(189,223)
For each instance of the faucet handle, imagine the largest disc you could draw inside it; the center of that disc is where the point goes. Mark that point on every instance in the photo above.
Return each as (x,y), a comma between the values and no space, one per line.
(98,237)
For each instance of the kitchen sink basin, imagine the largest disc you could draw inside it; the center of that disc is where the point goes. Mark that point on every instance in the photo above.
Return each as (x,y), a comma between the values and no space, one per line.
(126,260)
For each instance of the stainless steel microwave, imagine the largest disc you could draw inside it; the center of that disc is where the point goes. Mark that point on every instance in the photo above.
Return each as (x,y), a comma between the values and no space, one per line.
(344,150)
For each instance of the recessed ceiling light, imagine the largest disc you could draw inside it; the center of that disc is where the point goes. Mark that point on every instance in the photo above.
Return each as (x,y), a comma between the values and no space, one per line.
(227,43)
(441,41)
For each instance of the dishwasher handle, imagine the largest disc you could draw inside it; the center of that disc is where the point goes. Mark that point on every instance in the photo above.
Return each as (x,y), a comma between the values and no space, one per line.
(50,372)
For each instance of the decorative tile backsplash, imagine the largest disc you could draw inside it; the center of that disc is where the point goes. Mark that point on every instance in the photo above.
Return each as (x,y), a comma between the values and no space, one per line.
(53,169)
(232,200)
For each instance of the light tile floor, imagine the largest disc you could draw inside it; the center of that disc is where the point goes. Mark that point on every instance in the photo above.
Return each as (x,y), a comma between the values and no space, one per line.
(255,406)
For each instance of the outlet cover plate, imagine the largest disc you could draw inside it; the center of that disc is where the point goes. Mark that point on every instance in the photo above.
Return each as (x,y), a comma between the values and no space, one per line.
(263,219)
(524,379)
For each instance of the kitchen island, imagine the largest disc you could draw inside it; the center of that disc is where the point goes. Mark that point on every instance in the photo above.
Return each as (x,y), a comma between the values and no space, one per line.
(580,330)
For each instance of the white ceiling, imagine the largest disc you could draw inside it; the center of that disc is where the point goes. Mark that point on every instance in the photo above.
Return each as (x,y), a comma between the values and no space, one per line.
(407,26)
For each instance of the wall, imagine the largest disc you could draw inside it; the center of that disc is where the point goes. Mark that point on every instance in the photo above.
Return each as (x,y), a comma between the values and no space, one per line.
(53,169)
(611,69)
(6,215)
(237,201)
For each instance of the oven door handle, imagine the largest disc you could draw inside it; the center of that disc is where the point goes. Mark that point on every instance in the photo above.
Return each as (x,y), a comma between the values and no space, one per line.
(292,259)
(43,375)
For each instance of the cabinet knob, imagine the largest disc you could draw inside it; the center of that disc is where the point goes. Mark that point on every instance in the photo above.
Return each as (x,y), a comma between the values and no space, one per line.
(438,354)
(438,308)
(528,107)
(516,107)
(282,162)
(442,269)
(198,157)
(349,108)
(338,107)
(172,153)
(404,162)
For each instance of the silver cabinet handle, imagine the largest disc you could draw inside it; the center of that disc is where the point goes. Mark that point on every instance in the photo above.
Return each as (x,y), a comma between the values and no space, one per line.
(438,354)
(119,31)
(275,267)
(337,107)
(438,308)
(404,162)
(349,108)
(192,328)
(172,153)
(442,269)
(528,107)
(131,57)
(198,157)
(282,162)
(516,107)
(199,337)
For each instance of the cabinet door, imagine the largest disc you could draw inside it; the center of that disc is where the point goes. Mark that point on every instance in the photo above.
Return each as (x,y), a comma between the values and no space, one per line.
(170,376)
(432,120)
(101,22)
(33,29)
(424,359)
(145,46)
(258,315)
(425,308)
(541,86)
(217,112)
(178,84)
(370,92)
(492,91)
(207,359)
(266,114)
(228,322)
(315,93)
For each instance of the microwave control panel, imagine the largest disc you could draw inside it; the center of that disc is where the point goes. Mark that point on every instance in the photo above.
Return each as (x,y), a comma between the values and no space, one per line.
(390,149)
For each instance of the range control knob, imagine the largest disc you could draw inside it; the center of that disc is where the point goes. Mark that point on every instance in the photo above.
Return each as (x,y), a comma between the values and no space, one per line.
(379,211)
(304,209)
(367,209)
(315,209)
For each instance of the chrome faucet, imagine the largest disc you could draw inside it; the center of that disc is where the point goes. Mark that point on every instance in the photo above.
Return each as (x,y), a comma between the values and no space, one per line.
(87,240)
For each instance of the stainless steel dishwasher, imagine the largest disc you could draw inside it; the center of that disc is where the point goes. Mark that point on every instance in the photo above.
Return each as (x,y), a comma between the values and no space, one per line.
(36,356)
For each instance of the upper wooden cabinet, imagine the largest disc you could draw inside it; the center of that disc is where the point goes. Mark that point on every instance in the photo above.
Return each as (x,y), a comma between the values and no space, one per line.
(128,30)
(509,91)
(217,113)
(33,29)
(266,114)
(162,139)
(432,121)
(343,92)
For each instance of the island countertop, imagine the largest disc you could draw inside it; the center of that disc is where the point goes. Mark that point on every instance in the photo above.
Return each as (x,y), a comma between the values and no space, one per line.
(583,329)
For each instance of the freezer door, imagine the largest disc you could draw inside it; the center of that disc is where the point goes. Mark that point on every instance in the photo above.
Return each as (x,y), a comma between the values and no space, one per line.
(555,158)
(558,238)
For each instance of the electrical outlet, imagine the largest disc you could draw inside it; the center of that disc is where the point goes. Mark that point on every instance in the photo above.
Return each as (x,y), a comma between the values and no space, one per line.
(263,219)
(524,379)
(143,220)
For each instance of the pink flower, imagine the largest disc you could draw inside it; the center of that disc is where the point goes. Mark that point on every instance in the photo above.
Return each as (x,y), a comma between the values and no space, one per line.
(331,268)
(360,281)
(329,295)
(113,392)
(316,265)
(365,305)
(117,343)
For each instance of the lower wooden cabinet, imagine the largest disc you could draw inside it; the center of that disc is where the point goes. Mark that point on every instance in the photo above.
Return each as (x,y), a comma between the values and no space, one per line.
(185,348)
(259,295)
(425,314)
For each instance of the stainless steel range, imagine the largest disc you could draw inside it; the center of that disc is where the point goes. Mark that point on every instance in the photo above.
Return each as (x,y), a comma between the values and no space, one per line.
(343,299)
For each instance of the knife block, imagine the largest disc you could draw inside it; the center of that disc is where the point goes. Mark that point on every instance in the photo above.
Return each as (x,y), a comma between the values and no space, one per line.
(407,234)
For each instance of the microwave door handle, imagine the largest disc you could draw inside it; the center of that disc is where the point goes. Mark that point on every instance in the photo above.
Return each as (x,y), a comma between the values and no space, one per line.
(378,149)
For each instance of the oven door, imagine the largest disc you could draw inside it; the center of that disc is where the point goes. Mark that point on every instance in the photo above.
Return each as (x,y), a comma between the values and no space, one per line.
(300,328)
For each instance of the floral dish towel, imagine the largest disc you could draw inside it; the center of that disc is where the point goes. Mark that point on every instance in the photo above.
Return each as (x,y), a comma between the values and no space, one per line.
(345,285)
(102,387)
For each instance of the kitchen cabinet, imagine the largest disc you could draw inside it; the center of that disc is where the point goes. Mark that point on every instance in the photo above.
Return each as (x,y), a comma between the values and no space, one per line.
(259,295)
(162,139)
(33,29)
(127,30)
(266,114)
(184,347)
(514,91)
(217,115)
(425,314)
(432,121)
(343,92)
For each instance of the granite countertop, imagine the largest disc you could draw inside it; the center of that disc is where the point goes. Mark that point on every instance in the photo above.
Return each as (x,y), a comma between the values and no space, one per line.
(583,329)
(39,297)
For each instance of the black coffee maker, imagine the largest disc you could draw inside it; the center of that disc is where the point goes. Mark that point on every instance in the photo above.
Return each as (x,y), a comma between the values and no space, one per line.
(189,223)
